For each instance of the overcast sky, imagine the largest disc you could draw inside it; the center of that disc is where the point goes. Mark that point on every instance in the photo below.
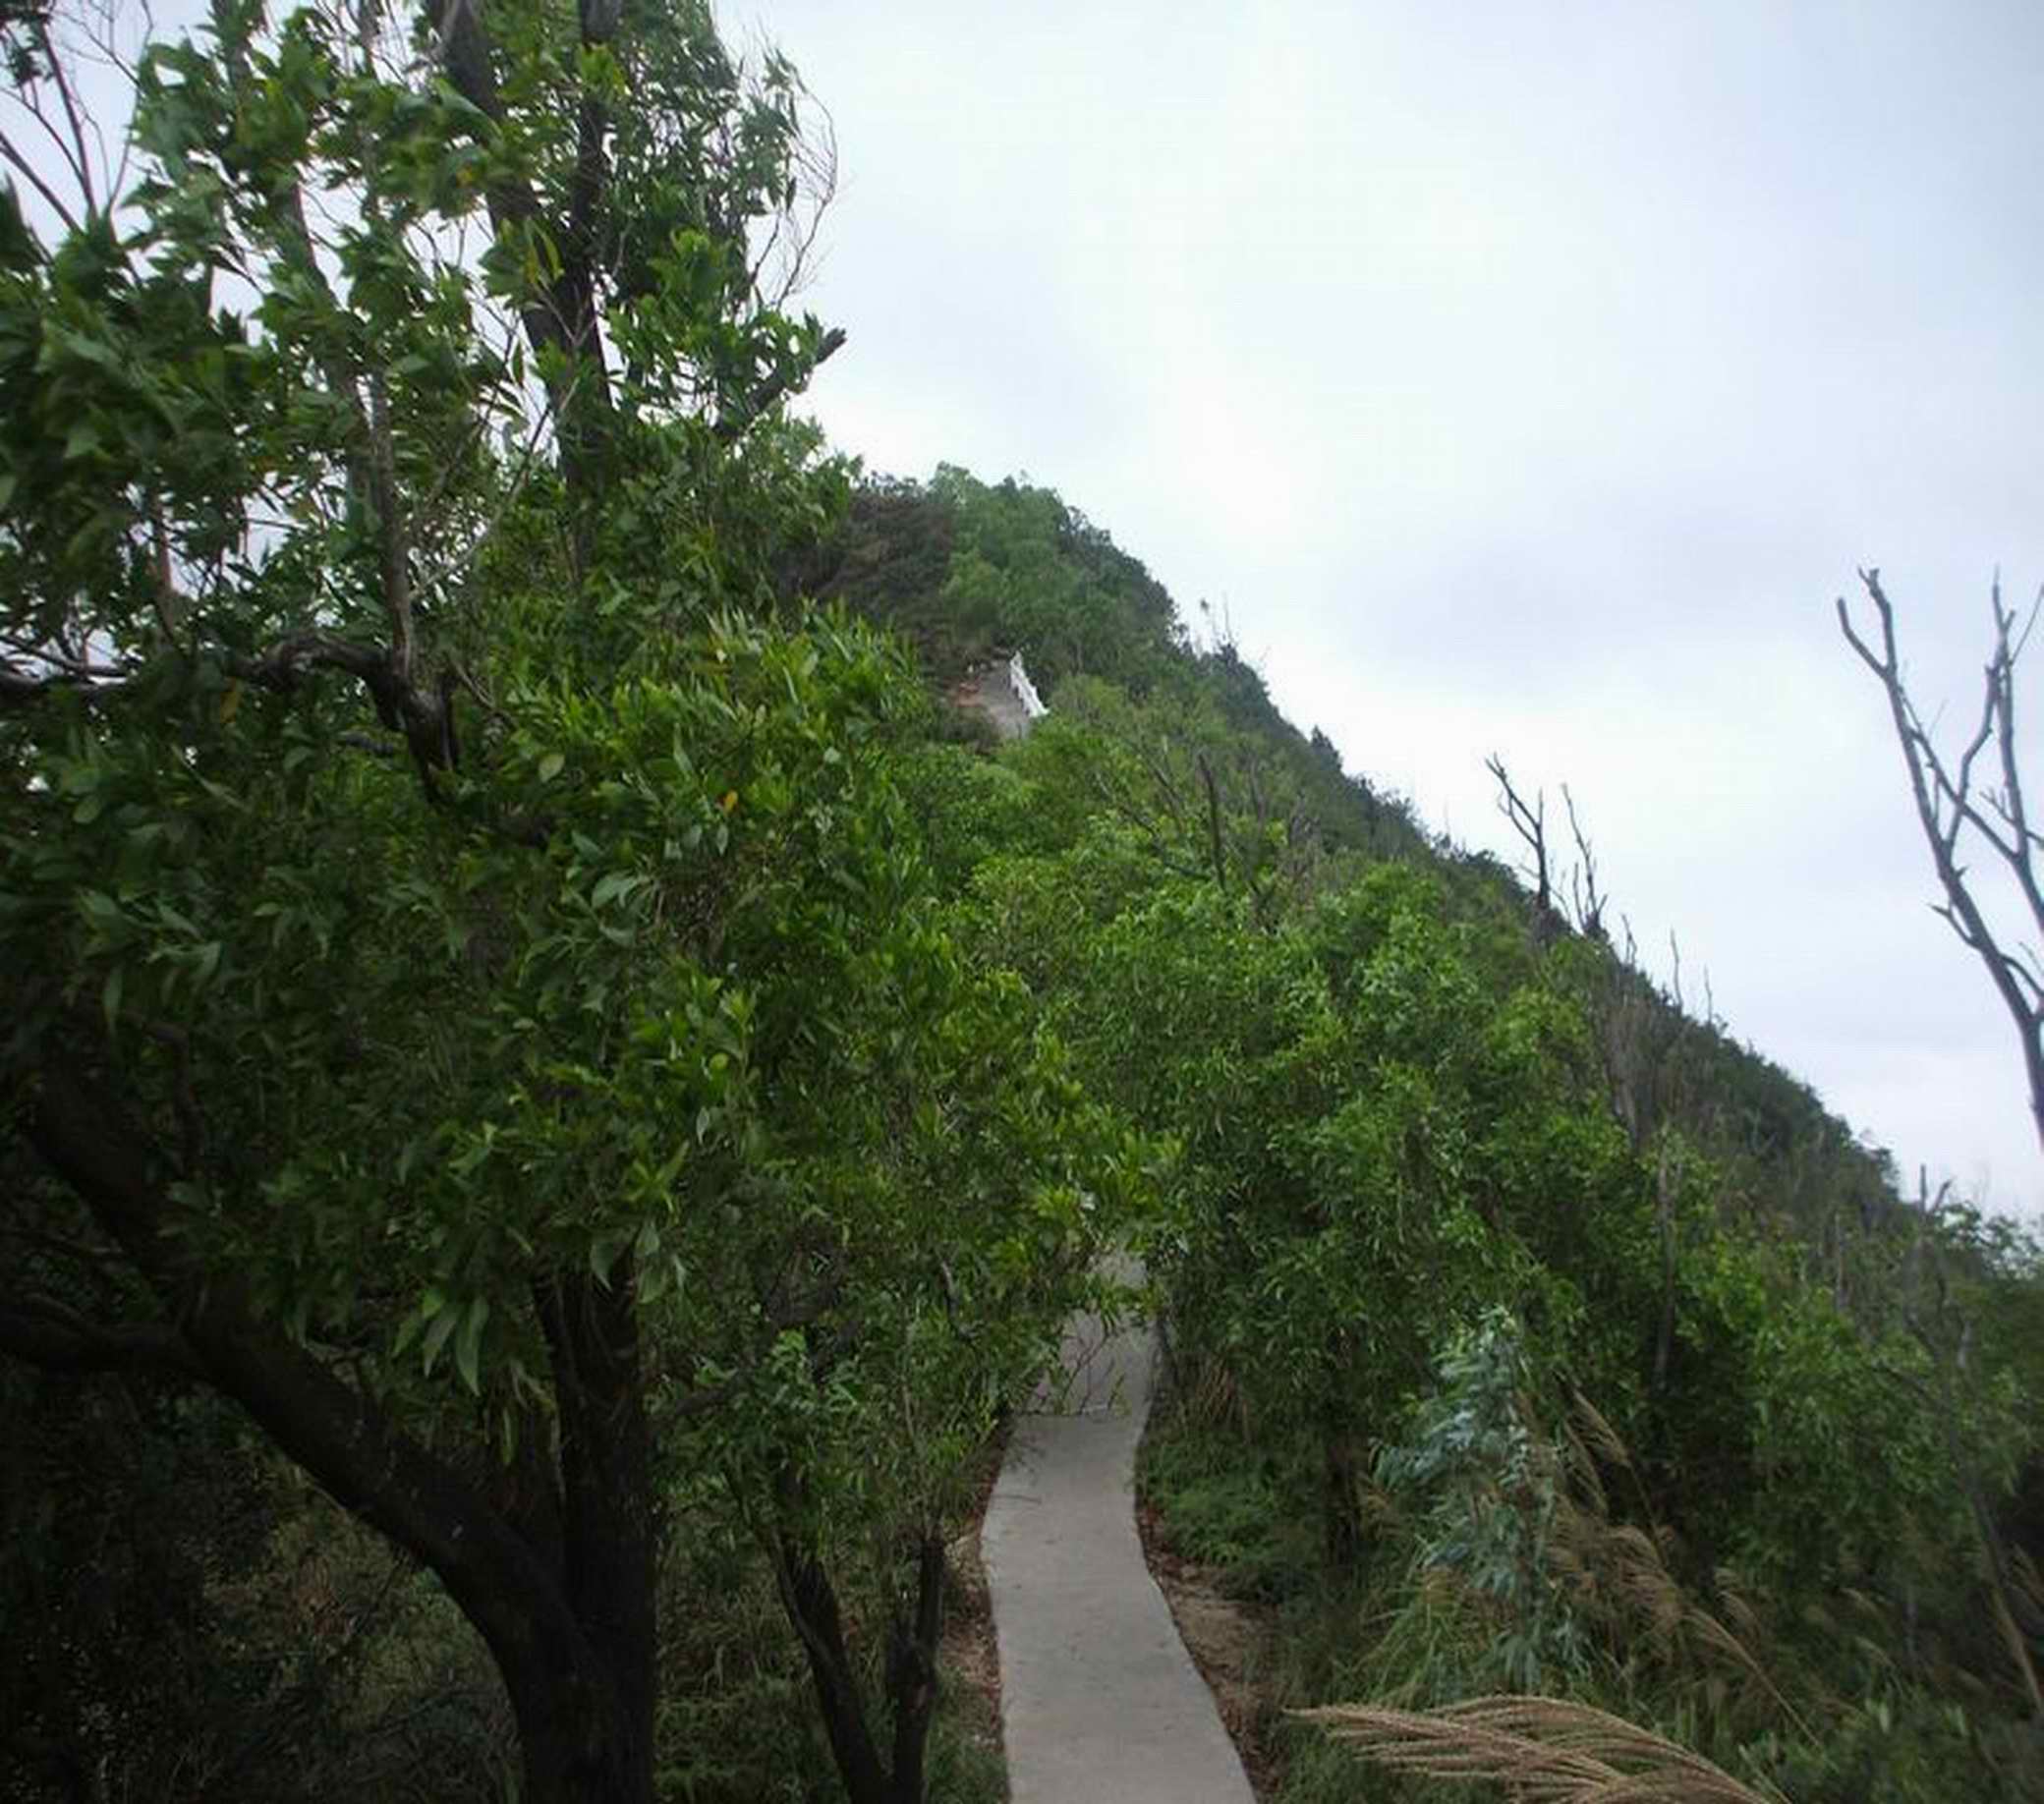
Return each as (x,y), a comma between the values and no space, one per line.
(1519,379)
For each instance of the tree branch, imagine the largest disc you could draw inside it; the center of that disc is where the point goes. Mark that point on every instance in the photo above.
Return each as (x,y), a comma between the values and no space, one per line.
(562,318)
(1946,808)
(336,1433)
(1530,823)
(1589,902)
(47,1334)
(1214,844)
(50,198)
(732,426)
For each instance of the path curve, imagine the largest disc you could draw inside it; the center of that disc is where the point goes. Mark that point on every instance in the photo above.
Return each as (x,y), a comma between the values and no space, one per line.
(1099,1698)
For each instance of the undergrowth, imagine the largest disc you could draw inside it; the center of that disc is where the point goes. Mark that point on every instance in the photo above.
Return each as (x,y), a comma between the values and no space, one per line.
(738,1722)
(1512,1548)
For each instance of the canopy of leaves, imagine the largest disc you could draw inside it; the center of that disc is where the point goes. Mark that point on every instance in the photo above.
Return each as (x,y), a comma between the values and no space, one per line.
(488,1006)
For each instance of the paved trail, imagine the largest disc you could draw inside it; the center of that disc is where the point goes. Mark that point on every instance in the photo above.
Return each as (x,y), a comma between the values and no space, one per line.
(1099,1702)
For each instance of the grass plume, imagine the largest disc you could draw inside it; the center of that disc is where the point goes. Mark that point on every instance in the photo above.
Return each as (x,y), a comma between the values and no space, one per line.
(1546,1750)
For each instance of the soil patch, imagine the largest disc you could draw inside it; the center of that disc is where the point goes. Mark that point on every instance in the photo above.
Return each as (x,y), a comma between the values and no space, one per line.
(968,1656)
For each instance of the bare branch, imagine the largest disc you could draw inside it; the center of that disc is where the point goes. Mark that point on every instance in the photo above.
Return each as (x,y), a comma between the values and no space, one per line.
(50,198)
(1530,823)
(19,688)
(73,151)
(1950,808)
(1589,903)
(732,426)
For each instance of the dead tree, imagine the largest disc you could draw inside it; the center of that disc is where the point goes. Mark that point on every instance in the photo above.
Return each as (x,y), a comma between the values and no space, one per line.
(1967,805)
(1588,900)
(1530,823)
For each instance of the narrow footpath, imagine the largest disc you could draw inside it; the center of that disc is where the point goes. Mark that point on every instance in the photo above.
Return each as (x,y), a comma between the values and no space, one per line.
(1099,1702)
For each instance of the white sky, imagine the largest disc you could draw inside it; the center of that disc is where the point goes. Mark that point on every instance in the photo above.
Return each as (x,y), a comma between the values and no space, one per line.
(1517,377)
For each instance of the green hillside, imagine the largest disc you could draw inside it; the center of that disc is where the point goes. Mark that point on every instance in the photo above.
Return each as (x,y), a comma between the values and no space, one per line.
(557,1092)
(1528,1332)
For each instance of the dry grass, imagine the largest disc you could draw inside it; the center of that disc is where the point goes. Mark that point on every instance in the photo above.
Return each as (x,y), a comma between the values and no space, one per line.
(1621,1581)
(1544,1750)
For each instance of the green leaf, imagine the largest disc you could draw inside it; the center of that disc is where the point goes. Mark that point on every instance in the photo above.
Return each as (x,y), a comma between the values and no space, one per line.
(443,1324)
(468,1344)
(550,767)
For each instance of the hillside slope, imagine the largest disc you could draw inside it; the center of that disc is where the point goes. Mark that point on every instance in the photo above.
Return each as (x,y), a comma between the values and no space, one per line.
(965,571)
(1561,1319)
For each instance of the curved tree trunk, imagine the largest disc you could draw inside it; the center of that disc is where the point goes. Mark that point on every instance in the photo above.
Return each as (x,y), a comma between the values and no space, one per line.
(558,1581)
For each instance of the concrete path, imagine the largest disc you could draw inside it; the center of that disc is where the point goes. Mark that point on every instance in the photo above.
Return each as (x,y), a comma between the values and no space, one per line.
(1099,1702)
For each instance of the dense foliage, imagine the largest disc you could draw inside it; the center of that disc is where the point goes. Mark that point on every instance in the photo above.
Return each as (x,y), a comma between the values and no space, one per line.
(558,1089)
(1528,1332)
(486,1006)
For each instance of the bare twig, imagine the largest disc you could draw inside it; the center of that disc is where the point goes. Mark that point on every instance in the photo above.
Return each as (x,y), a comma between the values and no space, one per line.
(1589,902)
(1530,823)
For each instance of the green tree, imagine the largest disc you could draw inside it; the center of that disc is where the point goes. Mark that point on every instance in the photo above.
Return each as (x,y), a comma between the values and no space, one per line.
(484,1008)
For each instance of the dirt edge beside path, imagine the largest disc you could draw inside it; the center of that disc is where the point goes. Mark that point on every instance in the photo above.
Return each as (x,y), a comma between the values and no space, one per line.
(968,1658)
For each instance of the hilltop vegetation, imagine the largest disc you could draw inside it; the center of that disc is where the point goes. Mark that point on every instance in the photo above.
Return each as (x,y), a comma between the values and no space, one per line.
(558,1091)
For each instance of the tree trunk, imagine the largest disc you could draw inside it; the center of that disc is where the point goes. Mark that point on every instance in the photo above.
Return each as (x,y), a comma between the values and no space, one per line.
(560,1589)
(811,1600)
(609,1533)
(1341,1465)
(912,1670)
(1341,1516)
(574,1742)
